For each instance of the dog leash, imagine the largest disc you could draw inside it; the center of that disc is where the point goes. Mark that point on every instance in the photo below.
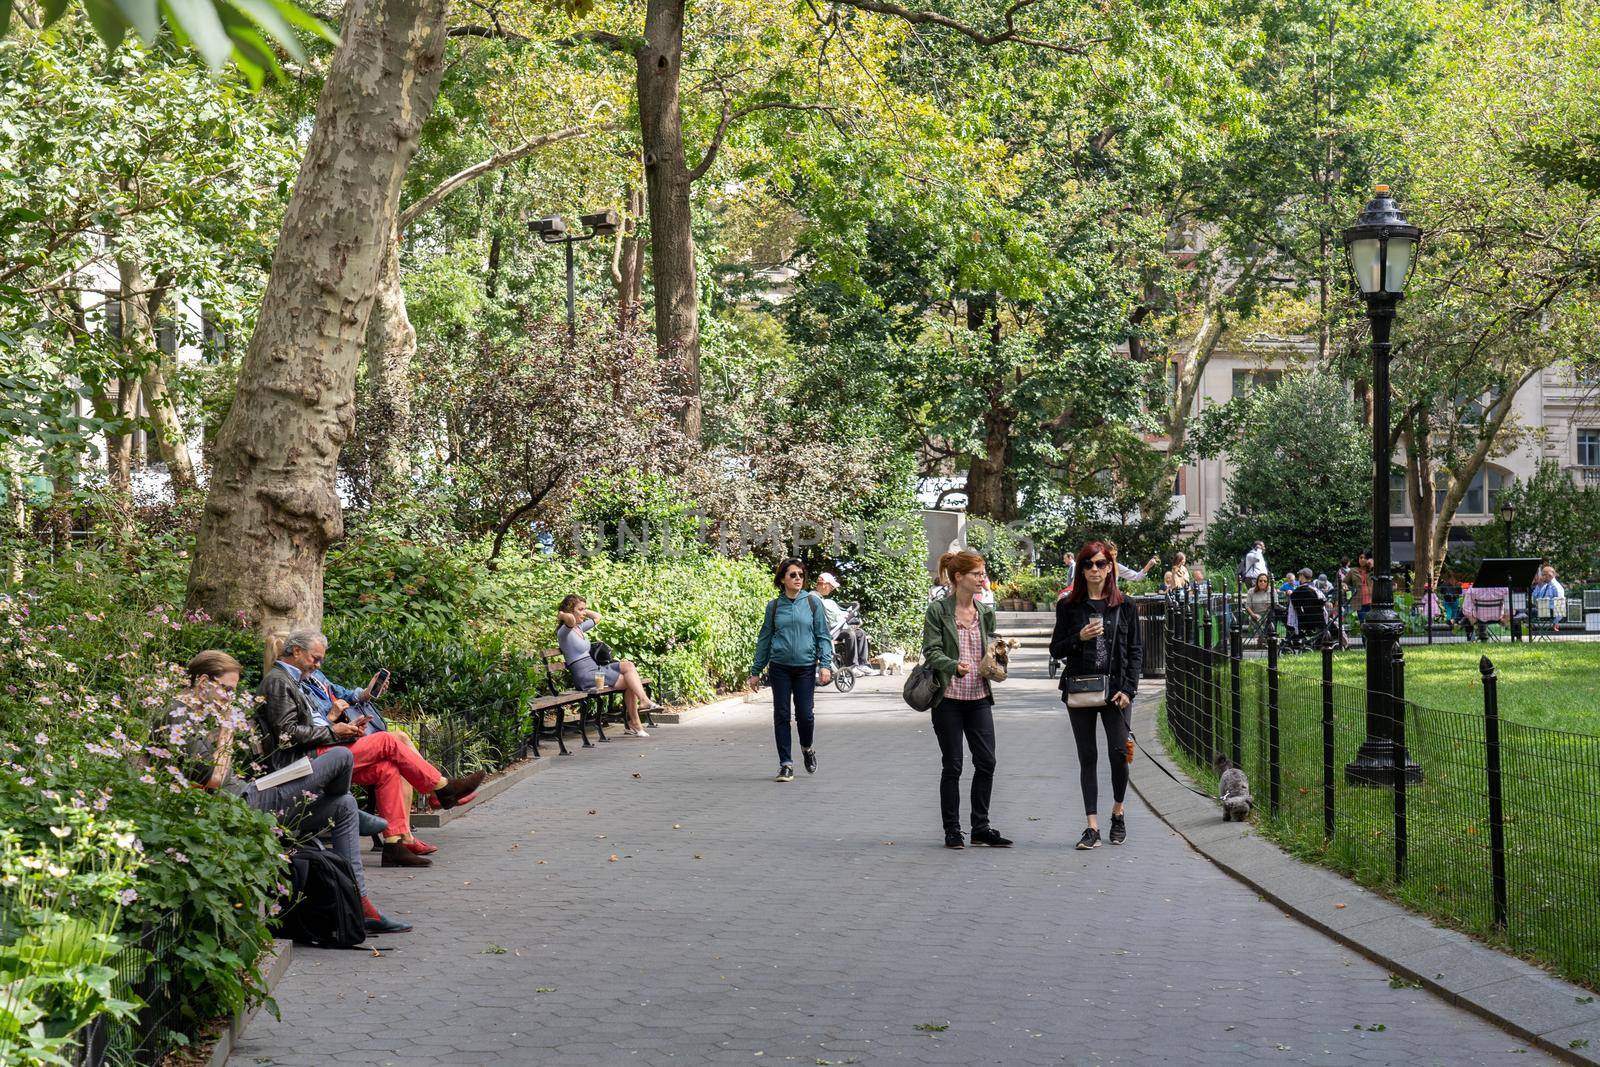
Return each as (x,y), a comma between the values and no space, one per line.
(1166,772)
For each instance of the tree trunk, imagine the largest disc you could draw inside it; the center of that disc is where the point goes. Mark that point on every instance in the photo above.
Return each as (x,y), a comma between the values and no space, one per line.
(627,260)
(668,183)
(391,343)
(140,315)
(986,480)
(119,446)
(1420,486)
(273,508)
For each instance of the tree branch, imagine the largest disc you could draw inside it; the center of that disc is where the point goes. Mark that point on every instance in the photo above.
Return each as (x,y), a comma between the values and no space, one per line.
(1009,35)
(730,117)
(439,192)
(493,33)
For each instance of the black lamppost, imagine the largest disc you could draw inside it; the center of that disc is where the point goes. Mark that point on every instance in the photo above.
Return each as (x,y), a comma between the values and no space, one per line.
(553,231)
(1508,511)
(1382,246)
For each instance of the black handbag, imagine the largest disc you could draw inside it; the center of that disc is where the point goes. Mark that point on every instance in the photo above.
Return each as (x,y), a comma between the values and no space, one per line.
(600,652)
(921,690)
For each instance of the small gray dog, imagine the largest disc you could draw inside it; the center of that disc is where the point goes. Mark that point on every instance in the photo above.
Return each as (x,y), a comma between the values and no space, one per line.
(1233,789)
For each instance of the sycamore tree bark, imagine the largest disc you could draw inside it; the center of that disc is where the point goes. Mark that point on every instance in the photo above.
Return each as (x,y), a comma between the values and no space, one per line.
(273,507)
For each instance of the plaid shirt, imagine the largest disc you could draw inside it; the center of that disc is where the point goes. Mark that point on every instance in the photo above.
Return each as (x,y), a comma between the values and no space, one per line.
(972,686)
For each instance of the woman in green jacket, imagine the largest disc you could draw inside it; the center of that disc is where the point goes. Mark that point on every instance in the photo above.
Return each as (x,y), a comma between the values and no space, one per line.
(956,632)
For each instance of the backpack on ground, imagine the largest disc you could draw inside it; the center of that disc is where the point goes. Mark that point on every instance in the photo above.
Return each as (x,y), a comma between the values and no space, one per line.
(324,906)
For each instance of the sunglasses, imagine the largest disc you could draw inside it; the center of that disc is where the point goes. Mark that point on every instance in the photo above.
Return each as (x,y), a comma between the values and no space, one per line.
(1096,564)
(795,574)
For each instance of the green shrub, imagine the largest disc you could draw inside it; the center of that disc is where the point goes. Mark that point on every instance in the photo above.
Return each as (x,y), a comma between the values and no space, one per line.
(689,623)
(407,583)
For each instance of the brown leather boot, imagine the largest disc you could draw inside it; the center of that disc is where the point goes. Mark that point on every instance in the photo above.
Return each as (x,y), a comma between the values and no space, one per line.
(395,854)
(454,791)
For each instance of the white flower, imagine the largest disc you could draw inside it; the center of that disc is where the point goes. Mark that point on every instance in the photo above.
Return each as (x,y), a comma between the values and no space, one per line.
(61,831)
(33,863)
(128,896)
(41,738)
(124,840)
(57,871)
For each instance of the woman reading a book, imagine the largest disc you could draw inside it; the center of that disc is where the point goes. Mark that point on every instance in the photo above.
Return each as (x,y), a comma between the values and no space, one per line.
(307,797)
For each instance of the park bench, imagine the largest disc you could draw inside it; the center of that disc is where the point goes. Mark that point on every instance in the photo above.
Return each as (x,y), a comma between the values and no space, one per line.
(603,703)
(558,696)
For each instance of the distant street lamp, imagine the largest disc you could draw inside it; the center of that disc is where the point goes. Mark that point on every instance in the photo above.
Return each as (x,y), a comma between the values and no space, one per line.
(1382,246)
(553,231)
(1508,511)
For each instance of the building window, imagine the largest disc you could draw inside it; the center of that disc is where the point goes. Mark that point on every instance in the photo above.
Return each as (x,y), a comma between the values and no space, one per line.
(1246,380)
(1482,496)
(1589,448)
(1397,492)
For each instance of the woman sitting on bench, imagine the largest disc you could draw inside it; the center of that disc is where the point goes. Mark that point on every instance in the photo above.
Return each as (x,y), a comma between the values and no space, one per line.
(574,621)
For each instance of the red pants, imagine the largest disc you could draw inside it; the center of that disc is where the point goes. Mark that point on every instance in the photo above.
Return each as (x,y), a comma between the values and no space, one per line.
(383,761)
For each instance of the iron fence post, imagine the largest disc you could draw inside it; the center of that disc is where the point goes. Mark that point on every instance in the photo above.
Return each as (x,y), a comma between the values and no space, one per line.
(1235,693)
(1273,769)
(1327,740)
(1398,728)
(1497,822)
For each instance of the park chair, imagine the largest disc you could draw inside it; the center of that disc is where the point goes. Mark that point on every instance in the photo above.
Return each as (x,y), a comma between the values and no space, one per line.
(1547,614)
(1591,605)
(1495,609)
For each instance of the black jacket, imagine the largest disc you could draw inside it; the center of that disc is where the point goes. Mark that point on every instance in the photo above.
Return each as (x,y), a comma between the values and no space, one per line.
(284,721)
(1077,656)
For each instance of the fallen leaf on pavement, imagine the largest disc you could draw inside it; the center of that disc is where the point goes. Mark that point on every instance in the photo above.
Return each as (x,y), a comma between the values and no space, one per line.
(613,857)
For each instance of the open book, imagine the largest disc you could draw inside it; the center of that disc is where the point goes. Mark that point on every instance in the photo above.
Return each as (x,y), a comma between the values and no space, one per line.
(300,768)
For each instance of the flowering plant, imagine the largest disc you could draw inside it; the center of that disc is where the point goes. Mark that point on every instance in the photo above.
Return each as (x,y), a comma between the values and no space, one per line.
(60,902)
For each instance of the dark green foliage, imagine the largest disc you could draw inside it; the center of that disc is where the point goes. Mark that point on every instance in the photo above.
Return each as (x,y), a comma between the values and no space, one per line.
(1301,479)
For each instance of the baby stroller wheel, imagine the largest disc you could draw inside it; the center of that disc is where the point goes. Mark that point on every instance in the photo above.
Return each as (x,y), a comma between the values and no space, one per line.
(844,679)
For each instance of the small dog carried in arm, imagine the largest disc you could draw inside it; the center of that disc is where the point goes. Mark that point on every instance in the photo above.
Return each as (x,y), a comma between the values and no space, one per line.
(1233,789)
(997,660)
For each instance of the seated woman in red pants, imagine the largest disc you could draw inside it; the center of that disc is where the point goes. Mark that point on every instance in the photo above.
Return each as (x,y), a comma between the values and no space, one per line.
(289,729)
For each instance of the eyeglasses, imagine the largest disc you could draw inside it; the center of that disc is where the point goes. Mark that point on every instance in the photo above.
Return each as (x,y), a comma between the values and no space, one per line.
(795,574)
(1096,564)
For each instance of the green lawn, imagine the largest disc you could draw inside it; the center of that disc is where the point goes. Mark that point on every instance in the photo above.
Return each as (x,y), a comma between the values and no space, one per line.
(1549,684)
(1550,757)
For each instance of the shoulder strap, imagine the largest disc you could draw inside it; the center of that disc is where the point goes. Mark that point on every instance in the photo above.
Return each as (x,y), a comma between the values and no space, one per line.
(772,613)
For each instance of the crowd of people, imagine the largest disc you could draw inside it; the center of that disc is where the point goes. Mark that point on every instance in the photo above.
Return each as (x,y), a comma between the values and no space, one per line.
(313,739)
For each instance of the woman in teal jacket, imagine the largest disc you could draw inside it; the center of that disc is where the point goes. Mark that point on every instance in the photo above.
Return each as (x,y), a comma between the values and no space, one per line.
(792,645)
(956,631)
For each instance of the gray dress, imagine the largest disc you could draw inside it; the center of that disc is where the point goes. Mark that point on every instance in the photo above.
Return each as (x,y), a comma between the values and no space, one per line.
(575,650)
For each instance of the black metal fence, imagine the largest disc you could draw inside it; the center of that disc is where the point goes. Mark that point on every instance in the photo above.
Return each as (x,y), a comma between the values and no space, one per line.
(143,973)
(1500,836)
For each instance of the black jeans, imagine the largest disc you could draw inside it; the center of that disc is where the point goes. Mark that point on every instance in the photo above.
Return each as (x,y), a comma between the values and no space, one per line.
(974,720)
(1115,721)
(795,686)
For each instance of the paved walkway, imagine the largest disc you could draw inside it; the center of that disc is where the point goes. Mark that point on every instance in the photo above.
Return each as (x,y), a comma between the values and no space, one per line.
(665,902)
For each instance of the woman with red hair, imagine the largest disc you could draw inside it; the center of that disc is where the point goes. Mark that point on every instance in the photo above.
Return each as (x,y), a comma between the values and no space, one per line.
(1097,639)
(956,631)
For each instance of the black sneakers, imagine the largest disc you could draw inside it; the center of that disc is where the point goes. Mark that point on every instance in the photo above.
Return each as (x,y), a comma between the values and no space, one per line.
(1090,838)
(810,755)
(991,837)
(785,772)
(953,839)
(1119,830)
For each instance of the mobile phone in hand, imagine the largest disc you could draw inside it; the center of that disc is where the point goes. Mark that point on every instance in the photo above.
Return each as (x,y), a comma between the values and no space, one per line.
(382,681)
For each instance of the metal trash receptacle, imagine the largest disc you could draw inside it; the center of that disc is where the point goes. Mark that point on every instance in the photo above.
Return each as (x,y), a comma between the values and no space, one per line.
(1153,634)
